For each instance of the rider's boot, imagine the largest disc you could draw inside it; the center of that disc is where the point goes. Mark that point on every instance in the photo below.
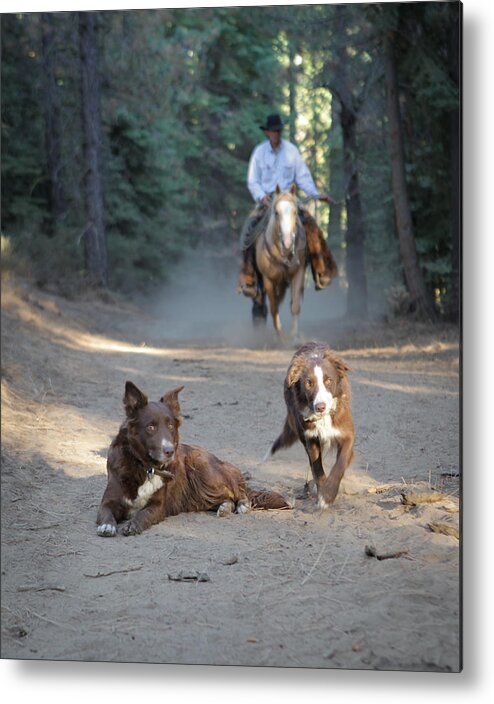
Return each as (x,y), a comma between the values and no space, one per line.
(247,280)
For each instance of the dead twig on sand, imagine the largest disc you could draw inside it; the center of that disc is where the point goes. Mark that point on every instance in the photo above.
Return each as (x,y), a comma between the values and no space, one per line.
(107,574)
(445,529)
(187,576)
(308,575)
(49,620)
(427,497)
(443,501)
(36,588)
(371,551)
(383,488)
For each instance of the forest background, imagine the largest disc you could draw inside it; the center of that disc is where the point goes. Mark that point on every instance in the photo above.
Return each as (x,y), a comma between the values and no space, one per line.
(126,137)
(476,262)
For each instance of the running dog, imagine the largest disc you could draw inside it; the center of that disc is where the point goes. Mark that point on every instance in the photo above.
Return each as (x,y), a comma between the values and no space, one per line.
(317,397)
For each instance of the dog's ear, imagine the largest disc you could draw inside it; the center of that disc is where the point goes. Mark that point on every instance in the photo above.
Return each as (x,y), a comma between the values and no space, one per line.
(294,371)
(278,190)
(293,189)
(133,398)
(171,400)
(341,367)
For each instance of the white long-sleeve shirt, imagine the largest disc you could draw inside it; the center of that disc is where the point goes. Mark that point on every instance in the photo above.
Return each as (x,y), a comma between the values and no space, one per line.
(282,167)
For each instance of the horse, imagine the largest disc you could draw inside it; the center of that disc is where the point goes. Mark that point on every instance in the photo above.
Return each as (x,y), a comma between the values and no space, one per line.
(281,260)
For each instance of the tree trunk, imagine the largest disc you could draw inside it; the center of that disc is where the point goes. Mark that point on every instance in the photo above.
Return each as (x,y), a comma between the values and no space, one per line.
(94,235)
(292,91)
(334,184)
(413,275)
(355,237)
(53,127)
(356,306)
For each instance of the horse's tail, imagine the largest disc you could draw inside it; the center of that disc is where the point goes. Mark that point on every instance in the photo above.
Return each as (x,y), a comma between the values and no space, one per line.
(267,500)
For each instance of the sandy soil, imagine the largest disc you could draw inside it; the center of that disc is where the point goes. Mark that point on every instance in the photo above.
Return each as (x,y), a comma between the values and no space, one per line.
(289,589)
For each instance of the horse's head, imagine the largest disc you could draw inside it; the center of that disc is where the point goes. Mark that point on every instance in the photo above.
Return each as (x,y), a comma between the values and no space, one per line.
(285,212)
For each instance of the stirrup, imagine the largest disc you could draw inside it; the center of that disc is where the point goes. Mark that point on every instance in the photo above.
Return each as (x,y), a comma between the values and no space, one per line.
(249,290)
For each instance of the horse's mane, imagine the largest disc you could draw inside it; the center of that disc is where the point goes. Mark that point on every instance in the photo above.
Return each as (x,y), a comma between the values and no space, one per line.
(250,237)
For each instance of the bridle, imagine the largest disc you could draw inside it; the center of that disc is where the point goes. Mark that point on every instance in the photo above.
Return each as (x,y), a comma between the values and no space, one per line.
(287,256)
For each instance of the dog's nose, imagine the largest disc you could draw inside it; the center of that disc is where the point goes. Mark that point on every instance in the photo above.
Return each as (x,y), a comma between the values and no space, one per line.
(168,450)
(320,407)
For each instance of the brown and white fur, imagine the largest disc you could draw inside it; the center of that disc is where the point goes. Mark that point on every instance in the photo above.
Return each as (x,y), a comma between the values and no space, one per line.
(317,397)
(151,475)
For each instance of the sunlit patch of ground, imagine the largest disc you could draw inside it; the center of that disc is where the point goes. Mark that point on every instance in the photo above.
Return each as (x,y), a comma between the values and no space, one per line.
(301,590)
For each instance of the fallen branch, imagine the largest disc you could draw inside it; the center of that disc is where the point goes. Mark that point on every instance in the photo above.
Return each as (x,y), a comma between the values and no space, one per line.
(382,488)
(34,588)
(445,529)
(428,497)
(107,574)
(189,577)
(371,551)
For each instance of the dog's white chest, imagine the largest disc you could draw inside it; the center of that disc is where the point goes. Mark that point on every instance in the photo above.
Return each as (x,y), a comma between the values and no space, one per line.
(145,491)
(324,431)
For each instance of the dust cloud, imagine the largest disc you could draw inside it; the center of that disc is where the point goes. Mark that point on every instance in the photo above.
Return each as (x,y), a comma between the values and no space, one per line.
(200,303)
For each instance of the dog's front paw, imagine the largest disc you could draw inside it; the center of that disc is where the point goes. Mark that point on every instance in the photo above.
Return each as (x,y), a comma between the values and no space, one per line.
(106,530)
(326,494)
(323,503)
(225,509)
(129,528)
(243,506)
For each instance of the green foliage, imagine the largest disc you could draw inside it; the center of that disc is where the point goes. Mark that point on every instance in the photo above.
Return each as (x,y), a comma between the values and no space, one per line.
(430,97)
(149,219)
(23,198)
(183,94)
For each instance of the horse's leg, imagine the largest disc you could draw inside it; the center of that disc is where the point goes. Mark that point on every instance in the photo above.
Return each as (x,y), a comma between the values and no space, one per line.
(259,310)
(297,290)
(273,304)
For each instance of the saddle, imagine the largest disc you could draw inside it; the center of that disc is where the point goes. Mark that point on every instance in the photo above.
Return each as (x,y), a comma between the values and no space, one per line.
(323,265)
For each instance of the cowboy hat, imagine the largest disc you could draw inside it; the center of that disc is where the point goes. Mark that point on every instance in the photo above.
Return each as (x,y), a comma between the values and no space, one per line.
(274,123)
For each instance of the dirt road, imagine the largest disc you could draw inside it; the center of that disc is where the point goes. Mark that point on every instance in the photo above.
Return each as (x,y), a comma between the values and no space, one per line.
(293,588)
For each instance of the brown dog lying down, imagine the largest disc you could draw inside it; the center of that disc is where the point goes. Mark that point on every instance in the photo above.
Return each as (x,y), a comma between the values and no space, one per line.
(152,476)
(317,397)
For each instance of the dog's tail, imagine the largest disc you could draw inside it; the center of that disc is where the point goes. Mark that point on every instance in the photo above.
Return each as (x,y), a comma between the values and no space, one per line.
(267,500)
(286,439)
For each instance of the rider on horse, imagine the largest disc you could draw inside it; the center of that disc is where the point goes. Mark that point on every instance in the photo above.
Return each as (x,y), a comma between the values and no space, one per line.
(277,162)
